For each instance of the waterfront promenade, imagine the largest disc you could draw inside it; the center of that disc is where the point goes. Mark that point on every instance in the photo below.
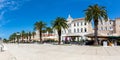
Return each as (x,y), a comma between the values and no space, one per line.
(59,52)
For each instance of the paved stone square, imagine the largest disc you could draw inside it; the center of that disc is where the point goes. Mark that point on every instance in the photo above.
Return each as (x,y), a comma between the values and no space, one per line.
(59,52)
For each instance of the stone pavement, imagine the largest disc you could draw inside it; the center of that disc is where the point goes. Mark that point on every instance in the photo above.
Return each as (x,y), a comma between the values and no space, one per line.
(6,56)
(59,52)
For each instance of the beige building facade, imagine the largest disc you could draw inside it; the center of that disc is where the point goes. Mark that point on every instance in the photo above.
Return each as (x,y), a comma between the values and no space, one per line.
(117,27)
(109,28)
(46,36)
(79,28)
(106,28)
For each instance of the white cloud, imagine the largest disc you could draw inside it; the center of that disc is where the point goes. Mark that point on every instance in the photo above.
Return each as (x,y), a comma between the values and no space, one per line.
(7,6)
(2,19)
(11,3)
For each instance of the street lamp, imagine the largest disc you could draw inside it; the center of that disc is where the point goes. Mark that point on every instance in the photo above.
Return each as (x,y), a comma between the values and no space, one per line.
(18,36)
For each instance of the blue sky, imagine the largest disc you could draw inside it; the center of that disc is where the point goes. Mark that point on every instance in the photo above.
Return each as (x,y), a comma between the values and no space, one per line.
(18,15)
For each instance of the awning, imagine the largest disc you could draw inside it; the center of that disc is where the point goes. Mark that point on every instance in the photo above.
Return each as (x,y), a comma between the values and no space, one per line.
(114,37)
(93,35)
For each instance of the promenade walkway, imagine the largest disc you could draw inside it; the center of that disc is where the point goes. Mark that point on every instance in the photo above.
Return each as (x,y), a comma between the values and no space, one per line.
(62,52)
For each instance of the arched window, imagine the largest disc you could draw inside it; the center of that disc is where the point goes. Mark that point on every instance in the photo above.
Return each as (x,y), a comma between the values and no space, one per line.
(69,25)
(74,30)
(81,23)
(110,22)
(110,27)
(65,31)
(81,29)
(77,30)
(74,24)
(85,23)
(69,31)
(85,30)
(77,23)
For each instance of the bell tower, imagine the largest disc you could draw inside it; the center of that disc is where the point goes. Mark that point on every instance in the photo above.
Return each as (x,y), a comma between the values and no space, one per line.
(69,19)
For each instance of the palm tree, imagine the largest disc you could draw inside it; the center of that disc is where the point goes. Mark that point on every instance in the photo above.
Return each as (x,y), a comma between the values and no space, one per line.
(13,37)
(29,34)
(33,34)
(49,30)
(23,35)
(40,26)
(44,32)
(26,36)
(59,24)
(96,13)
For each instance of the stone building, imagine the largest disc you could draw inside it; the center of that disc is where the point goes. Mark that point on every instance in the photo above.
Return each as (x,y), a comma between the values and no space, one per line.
(77,29)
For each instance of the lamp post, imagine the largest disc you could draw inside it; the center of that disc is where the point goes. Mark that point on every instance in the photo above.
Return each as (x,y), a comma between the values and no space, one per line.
(18,34)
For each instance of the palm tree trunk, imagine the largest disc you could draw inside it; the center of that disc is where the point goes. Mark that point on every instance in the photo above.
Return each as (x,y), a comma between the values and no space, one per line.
(96,32)
(30,38)
(40,35)
(59,34)
(27,39)
(22,38)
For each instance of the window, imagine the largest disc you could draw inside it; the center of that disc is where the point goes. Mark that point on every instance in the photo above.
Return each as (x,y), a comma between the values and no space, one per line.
(81,23)
(69,31)
(110,22)
(110,27)
(81,29)
(74,24)
(65,31)
(74,30)
(69,25)
(85,23)
(77,30)
(85,30)
(77,23)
